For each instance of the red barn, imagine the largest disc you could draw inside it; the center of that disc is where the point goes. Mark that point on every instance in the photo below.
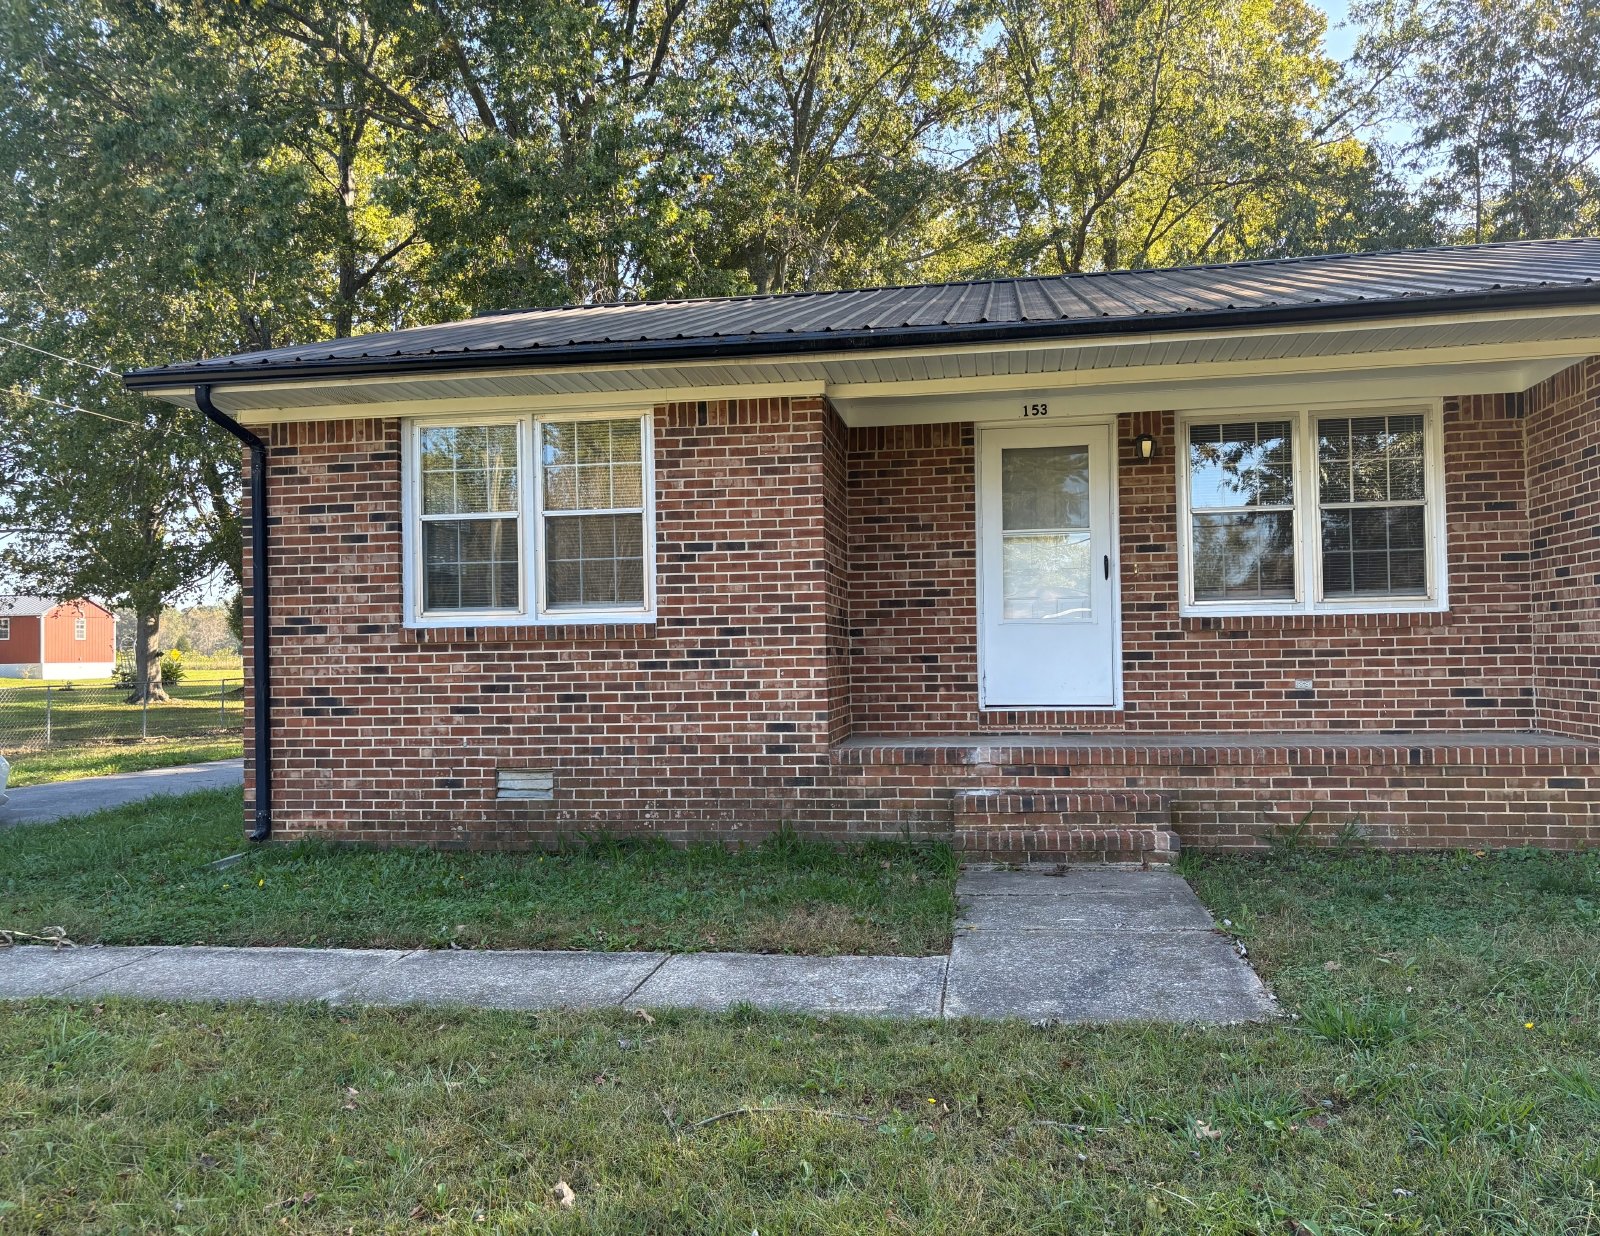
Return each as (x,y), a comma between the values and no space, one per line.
(41,638)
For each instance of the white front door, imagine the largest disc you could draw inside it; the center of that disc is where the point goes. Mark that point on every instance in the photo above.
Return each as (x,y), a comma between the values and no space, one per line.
(1046,568)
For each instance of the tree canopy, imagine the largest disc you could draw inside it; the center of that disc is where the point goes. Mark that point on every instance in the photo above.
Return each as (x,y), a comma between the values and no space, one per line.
(189,177)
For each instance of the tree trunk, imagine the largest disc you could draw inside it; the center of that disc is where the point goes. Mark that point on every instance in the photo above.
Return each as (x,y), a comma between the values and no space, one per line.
(147,658)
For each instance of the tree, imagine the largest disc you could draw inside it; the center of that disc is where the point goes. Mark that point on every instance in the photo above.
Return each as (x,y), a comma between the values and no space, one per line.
(542,146)
(199,629)
(1155,132)
(1502,100)
(842,137)
(126,501)
(109,509)
(181,181)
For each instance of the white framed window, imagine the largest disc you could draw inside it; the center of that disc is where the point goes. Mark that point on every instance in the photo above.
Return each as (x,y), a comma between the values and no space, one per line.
(80,628)
(5,628)
(526,519)
(1311,510)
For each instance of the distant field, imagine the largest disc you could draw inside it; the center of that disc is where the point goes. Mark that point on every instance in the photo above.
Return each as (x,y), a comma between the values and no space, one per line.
(86,730)
(196,671)
(74,763)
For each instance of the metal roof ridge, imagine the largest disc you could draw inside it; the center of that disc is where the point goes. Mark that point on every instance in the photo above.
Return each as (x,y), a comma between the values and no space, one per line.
(1241,264)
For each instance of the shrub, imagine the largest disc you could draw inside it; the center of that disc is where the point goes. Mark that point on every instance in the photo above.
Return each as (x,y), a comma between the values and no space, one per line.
(172,671)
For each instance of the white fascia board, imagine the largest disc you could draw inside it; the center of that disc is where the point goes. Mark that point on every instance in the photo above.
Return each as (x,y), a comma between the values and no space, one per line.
(595,401)
(776,376)
(1087,394)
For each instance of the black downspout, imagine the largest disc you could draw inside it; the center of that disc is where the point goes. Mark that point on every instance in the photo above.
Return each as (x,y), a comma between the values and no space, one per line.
(259,622)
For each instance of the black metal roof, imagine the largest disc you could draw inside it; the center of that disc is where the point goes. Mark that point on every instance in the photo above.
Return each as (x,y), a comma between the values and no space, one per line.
(1281,290)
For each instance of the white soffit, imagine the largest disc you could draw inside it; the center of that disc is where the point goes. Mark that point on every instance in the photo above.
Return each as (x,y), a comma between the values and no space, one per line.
(1440,355)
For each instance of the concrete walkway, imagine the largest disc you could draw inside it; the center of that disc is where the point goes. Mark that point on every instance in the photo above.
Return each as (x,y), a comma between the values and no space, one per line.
(39,804)
(1090,946)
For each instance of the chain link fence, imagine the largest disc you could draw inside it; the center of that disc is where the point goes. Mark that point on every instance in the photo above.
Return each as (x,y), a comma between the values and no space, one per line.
(51,715)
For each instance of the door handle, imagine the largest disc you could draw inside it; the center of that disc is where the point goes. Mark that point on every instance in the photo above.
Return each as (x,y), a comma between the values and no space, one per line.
(1108,566)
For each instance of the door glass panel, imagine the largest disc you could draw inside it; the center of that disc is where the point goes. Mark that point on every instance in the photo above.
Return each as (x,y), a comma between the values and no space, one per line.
(1045,551)
(1044,487)
(1047,577)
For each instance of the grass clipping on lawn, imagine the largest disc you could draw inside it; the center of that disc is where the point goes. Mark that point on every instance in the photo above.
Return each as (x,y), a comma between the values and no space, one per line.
(1439,1077)
(138,875)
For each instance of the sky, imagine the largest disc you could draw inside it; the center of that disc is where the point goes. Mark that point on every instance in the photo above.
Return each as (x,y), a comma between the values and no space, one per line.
(1339,41)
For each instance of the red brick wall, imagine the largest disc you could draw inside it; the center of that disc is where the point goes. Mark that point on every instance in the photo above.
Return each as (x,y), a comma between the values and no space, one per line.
(1427,793)
(913,580)
(836,540)
(718,714)
(913,594)
(1563,433)
(815,583)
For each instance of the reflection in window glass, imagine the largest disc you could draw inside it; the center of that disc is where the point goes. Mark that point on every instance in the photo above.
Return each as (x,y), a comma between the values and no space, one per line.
(471,532)
(1371,506)
(593,492)
(1241,504)
(1044,487)
(1047,577)
(1241,464)
(1044,496)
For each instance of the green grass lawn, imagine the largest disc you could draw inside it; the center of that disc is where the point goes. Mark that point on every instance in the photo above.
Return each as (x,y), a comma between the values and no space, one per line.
(71,763)
(137,876)
(1440,1073)
(92,729)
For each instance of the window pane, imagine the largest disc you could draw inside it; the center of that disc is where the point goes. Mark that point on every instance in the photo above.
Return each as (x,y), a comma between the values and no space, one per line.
(594,560)
(1046,577)
(1044,487)
(559,439)
(627,485)
(469,469)
(1370,459)
(592,465)
(594,487)
(470,564)
(1248,556)
(1241,464)
(1374,551)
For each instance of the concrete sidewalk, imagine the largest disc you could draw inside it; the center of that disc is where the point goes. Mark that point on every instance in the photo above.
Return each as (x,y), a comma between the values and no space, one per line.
(40,804)
(1090,946)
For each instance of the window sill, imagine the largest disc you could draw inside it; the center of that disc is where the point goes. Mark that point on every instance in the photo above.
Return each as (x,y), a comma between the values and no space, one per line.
(1335,620)
(481,634)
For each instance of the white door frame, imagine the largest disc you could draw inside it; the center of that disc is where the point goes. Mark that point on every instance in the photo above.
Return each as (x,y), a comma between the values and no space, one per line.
(992,435)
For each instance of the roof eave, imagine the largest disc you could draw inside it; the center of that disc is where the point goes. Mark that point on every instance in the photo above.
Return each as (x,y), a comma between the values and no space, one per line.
(761,346)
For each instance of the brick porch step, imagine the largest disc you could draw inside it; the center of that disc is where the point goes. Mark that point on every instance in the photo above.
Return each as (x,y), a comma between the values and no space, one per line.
(1079,826)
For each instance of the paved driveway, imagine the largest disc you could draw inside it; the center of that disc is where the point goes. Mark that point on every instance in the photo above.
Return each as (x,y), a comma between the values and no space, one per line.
(39,804)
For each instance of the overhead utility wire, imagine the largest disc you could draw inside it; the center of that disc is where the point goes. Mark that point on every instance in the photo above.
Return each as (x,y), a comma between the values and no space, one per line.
(70,407)
(17,343)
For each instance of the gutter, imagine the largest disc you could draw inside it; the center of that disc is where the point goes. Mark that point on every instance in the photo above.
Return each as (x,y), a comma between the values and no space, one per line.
(799,343)
(260,679)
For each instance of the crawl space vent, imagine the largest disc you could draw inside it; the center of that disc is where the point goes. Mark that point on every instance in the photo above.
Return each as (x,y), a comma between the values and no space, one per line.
(526,783)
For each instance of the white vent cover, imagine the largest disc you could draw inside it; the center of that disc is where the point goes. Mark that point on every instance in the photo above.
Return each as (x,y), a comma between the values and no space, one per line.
(525,783)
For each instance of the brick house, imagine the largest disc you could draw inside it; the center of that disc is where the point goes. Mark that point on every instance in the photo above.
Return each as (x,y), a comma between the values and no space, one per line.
(41,638)
(1069,566)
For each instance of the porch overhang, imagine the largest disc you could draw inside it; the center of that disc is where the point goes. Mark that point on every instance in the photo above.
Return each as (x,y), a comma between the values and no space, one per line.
(1458,353)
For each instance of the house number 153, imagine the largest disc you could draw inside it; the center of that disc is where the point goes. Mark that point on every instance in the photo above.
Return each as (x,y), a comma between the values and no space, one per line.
(1035,409)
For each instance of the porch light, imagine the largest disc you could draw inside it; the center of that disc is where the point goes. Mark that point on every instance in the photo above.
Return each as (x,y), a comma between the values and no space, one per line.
(1146,446)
